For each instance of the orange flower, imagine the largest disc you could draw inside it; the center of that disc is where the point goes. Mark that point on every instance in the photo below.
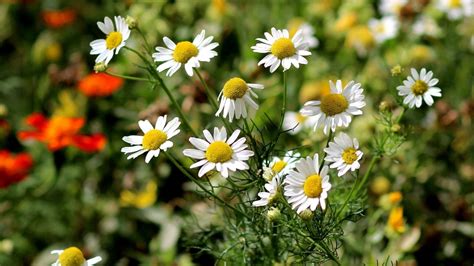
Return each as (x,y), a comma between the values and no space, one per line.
(99,84)
(58,18)
(59,132)
(13,168)
(395,220)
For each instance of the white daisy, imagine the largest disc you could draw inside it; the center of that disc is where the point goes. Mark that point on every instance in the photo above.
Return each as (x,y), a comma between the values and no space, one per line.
(294,122)
(456,9)
(280,167)
(187,53)
(235,97)
(114,41)
(392,7)
(343,153)
(336,108)
(155,139)
(384,29)
(73,256)
(306,188)
(419,87)
(282,50)
(268,197)
(427,26)
(219,152)
(306,30)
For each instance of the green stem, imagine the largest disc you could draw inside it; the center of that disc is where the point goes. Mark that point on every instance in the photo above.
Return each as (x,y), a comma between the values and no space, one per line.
(144,59)
(327,145)
(128,77)
(210,94)
(283,107)
(147,45)
(401,115)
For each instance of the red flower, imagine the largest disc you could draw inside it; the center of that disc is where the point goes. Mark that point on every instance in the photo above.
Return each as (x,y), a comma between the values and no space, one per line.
(58,18)
(13,168)
(99,84)
(59,132)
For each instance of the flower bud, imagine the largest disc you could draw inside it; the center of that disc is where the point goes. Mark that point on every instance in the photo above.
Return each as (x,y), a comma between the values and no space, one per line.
(306,215)
(384,106)
(268,173)
(395,128)
(100,67)
(273,214)
(396,70)
(131,22)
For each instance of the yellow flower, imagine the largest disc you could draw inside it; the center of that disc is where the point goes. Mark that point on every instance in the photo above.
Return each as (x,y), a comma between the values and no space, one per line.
(141,199)
(70,104)
(345,22)
(395,197)
(314,90)
(395,220)
(360,38)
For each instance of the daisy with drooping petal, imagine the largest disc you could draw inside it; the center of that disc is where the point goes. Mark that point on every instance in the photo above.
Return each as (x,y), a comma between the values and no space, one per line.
(268,197)
(294,122)
(307,187)
(282,50)
(419,87)
(114,41)
(280,167)
(384,29)
(219,152)
(155,139)
(185,53)
(336,108)
(73,256)
(456,9)
(235,97)
(343,153)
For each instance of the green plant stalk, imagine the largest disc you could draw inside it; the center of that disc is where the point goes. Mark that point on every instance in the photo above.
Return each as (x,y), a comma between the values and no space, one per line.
(208,91)
(128,77)
(321,164)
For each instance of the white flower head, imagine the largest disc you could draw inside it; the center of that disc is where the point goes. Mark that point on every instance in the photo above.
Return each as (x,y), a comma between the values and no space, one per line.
(73,256)
(307,187)
(392,7)
(185,53)
(280,49)
(425,25)
(268,197)
(336,108)
(419,87)
(294,122)
(306,30)
(384,29)
(115,40)
(456,9)
(236,97)
(281,167)
(154,140)
(343,153)
(219,152)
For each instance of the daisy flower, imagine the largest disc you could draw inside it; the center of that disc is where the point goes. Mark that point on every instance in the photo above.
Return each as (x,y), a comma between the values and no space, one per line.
(384,29)
(456,9)
(219,152)
(154,139)
(392,7)
(294,122)
(73,256)
(425,25)
(306,30)
(307,187)
(185,53)
(235,97)
(268,197)
(336,108)
(419,87)
(114,41)
(280,167)
(343,153)
(282,50)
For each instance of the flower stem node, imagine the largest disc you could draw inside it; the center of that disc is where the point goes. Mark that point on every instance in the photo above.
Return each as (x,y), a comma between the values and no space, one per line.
(100,67)
(273,214)
(396,70)
(306,215)
(131,22)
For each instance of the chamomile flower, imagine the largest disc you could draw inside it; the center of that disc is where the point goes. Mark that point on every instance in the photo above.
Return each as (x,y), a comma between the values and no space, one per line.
(185,53)
(73,256)
(392,7)
(456,9)
(419,87)
(268,197)
(294,122)
(282,50)
(115,40)
(307,187)
(236,97)
(336,108)
(306,30)
(384,29)
(154,140)
(219,152)
(280,167)
(426,26)
(343,153)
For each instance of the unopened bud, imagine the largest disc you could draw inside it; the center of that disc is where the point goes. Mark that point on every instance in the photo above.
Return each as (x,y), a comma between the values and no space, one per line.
(273,214)
(100,67)
(384,106)
(268,173)
(396,70)
(306,215)
(131,22)
(395,128)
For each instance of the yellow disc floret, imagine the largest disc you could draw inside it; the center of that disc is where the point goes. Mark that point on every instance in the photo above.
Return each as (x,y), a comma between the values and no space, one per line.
(278,166)
(71,257)
(349,155)
(153,139)
(113,40)
(219,152)
(301,118)
(454,3)
(184,51)
(419,88)
(283,48)
(313,186)
(235,88)
(333,104)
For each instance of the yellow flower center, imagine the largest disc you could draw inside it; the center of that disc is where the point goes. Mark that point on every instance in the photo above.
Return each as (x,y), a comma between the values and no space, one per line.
(235,88)
(419,87)
(113,40)
(380,28)
(278,166)
(300,118)
(283,48)
(333,104)
(349,155)
(313,186)
(71,257)
(184,51)
(153,139)
(219,152)
(454,3)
